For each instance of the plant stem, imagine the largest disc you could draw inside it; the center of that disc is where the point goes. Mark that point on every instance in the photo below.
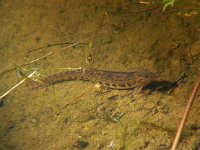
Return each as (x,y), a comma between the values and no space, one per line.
(185,114)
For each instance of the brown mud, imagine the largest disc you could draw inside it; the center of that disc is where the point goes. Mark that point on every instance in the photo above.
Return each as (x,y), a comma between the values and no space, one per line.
(113,35)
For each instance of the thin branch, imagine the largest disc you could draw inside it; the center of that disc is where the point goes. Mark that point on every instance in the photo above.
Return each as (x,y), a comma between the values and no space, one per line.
(147,10)
(58,44)
(185,114)
(74,100)
(15,86)
(33,61)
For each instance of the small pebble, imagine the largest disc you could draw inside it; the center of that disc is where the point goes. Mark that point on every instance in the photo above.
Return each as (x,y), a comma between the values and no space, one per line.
(80,144)
(113,98)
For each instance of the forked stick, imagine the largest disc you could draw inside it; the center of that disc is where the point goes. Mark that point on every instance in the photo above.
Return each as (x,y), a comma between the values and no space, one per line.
(185,114)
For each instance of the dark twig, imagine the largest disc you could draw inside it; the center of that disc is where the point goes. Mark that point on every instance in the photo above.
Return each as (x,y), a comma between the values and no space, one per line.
(58,44)
(185,114)
(154,8)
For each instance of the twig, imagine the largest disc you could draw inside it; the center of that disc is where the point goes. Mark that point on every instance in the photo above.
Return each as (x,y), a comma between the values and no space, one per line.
(185,114)
(57,44)
(72,44)
(67,68)
(15,86)
(73,101)
(39,58)
(33,61)
(147,10)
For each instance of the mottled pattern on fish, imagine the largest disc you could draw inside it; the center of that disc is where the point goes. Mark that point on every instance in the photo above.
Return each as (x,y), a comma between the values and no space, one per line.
(109,79)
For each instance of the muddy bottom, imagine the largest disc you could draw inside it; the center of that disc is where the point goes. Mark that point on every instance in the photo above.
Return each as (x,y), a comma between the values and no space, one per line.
(54,36)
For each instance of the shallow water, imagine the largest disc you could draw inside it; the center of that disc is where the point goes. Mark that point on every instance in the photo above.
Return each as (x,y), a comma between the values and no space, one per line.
(111,35)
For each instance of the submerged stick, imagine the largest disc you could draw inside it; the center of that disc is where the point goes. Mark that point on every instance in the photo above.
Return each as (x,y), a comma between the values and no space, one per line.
(33,61)
(15,86)
(58,44)
(185,114)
